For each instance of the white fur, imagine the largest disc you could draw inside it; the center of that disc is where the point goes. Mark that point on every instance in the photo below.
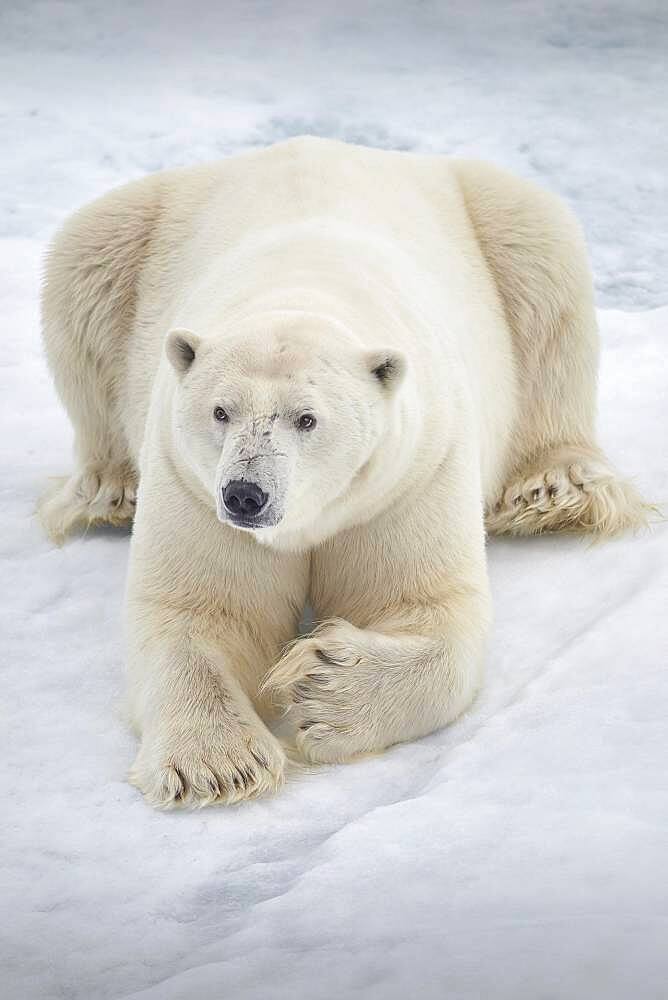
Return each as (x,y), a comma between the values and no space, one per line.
(436,318)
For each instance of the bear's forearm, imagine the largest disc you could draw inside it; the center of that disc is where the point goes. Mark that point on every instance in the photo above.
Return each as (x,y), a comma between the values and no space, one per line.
(353,690)
(201,738)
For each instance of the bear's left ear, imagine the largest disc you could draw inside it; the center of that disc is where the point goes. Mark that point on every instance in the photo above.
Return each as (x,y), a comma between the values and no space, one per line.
(388,367)
(181,347)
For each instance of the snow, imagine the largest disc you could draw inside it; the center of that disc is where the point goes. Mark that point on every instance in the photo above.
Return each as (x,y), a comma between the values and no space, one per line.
(521,853)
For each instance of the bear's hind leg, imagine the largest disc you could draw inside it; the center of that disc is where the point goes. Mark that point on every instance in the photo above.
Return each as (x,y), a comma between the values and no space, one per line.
(88,311)
(103,486)
(556,477)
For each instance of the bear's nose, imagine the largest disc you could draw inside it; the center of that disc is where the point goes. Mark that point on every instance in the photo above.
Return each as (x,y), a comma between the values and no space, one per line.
(244,499)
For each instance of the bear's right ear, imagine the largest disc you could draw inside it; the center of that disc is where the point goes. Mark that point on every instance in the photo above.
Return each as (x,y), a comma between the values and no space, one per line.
(388,366)
(181,348)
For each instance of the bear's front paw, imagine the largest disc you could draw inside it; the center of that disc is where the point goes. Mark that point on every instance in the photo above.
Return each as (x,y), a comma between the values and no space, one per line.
(329,688)
(197,768)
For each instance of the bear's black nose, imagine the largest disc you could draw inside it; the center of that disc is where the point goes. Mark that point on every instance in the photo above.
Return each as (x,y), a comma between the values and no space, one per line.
(244,500)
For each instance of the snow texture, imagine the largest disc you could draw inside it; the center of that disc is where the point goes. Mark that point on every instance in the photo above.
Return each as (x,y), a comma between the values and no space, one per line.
(521,853)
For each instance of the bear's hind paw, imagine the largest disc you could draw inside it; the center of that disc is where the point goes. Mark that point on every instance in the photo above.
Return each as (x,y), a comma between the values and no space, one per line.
(97,495)
(570,490)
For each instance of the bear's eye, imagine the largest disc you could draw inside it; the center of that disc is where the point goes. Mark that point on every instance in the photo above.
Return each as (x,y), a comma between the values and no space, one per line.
(220,415)
(306,422)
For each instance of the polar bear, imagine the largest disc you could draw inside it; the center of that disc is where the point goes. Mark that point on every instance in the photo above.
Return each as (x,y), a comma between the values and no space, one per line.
(315,373)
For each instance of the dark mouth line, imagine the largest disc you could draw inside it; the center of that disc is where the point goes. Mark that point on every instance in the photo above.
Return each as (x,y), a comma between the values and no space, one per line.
(240,522)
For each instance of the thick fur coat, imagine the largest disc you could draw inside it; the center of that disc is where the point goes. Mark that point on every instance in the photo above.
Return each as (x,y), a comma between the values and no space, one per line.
(318,372)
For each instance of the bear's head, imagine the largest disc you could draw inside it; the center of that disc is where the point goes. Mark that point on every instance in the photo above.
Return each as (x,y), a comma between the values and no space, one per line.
(281,419)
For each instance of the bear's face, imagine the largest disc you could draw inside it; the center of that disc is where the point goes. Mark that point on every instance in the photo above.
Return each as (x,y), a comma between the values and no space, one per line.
(277,425)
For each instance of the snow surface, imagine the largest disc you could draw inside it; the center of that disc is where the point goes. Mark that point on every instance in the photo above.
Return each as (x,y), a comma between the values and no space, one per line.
(521,853)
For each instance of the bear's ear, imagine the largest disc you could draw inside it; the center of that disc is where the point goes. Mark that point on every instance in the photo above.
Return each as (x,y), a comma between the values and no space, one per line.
(388,367)
(181,348)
